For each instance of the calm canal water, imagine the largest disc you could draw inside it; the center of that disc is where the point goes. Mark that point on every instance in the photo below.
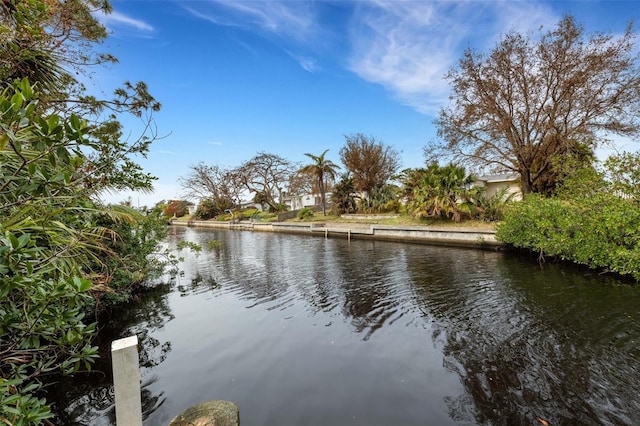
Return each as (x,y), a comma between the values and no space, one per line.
(306,331)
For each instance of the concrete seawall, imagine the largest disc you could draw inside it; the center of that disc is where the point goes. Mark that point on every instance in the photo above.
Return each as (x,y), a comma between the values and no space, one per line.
(459,237)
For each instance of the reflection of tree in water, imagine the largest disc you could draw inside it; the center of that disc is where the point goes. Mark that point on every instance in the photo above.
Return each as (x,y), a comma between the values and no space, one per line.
(272,268)
(321,288)
(534,344)
(368,287)
(366,305)
(198,283)
(505,378)
(88,398)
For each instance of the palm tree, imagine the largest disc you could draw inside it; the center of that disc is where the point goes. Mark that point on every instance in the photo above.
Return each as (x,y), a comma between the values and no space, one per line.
(442,192)
(344,195)
(321,168)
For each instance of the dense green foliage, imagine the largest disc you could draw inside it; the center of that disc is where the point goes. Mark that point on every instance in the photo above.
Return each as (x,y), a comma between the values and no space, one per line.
(344,195)
(441,191)
(381,199)
(305,213)
(590,222)
(448,192)
(491,209)
(207,209)
(48,241)
(61,251)
(132,256)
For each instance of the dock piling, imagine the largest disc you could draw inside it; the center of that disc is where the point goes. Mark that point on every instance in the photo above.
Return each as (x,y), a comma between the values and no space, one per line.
(126,381)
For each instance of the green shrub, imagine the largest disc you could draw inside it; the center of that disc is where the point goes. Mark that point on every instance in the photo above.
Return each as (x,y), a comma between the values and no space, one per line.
(491,209)
(206,210)
(305,213)
(133,254)
(392,206)
(48,242)
(58,248)
(600,231)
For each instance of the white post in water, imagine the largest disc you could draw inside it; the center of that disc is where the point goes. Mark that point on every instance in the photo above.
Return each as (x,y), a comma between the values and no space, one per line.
(126,381)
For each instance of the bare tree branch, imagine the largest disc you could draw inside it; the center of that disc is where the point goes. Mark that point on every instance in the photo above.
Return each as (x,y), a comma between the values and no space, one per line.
(529,105)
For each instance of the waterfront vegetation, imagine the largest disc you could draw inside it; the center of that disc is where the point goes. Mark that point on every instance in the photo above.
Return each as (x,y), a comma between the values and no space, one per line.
(400,219)
(63,254)
(593,219)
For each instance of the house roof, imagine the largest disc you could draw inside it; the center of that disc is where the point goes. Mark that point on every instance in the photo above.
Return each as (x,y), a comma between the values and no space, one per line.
(506,177)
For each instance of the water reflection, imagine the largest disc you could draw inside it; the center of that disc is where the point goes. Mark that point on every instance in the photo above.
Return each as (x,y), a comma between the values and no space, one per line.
(300,330)
(88,399)
(373,292)
(533,344)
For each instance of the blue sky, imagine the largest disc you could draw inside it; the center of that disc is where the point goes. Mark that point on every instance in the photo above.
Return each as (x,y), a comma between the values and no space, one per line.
(289,77)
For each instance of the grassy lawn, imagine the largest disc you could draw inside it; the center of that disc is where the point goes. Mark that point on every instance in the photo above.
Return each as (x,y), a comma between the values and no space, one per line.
(183,218)
(400,220)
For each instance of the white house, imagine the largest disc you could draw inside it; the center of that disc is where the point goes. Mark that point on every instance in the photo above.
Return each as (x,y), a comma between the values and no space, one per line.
(297,202)
(494,183)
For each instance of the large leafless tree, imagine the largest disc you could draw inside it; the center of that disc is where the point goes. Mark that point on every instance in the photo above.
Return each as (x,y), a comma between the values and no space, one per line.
(220,186)
(371,162)
(301,184)
(530,104)
(267,175)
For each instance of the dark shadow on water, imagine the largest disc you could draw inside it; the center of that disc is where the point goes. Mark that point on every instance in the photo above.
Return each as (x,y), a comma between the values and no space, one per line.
(532,344)
(88,398)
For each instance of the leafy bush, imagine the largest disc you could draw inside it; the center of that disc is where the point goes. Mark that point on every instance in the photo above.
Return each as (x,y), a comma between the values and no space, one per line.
(18,406)
(439,191)
(206,210)
(48,241)
(491,209)
(392,206)
(382,199)
(343,196)
(133,255)
(305,213)
(58,249)
(600,231)
(251,212)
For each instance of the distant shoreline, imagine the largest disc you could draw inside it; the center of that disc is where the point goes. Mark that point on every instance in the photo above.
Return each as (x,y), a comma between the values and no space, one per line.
(445,236)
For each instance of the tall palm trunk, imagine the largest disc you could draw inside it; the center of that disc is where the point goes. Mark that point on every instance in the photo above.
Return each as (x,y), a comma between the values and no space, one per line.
(322,192)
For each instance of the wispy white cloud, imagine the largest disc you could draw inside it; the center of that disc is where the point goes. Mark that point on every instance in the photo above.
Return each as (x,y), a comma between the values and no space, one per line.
(405,46)
(529,17)
(119,19)
(408,47)
(307,63)
(287,19)
(290,23)
(208,17)
(216,143)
